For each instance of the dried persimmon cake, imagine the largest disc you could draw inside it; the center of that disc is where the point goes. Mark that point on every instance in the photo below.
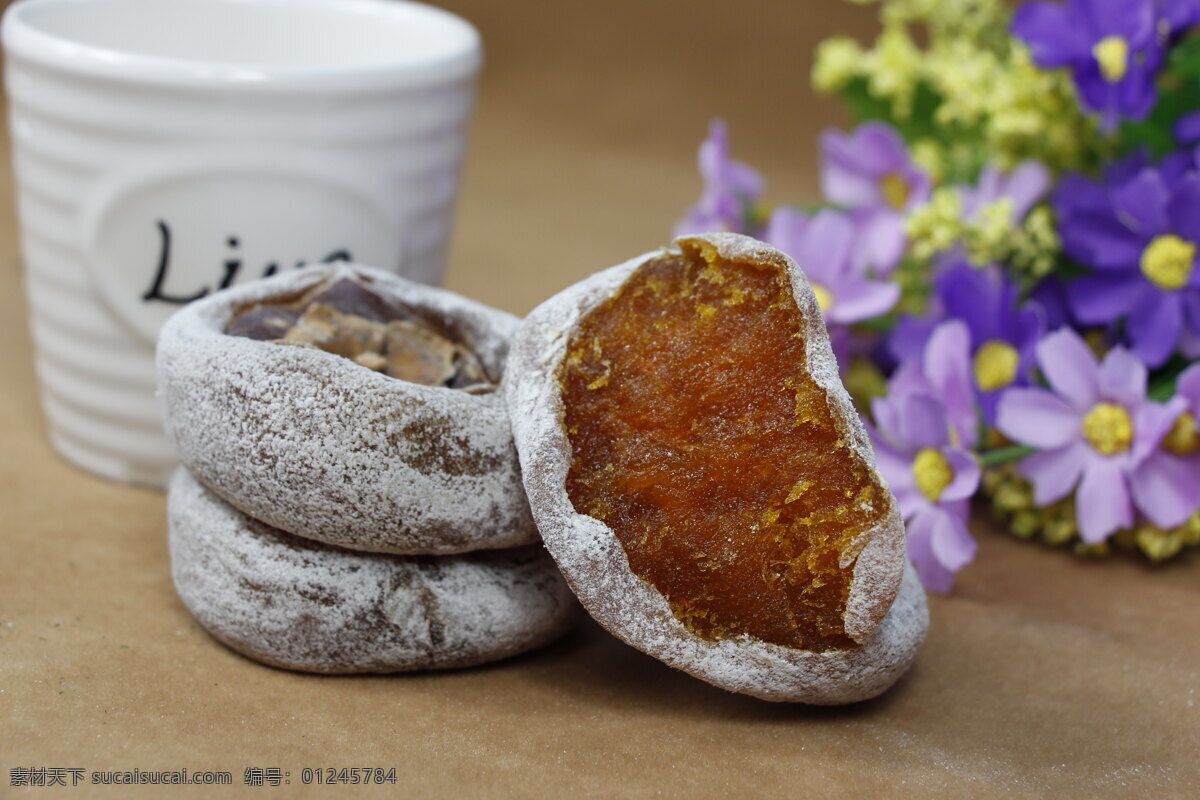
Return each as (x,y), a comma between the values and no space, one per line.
(304,605)
(351,406)
(698,473)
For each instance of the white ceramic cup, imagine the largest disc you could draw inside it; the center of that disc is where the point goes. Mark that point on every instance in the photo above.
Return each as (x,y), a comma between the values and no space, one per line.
(166,148)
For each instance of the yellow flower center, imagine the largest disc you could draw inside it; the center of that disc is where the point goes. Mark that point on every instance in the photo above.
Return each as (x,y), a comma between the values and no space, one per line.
(995,365)
(1109,429)
(932,472)
(1183,438)
(824,297)
(1168,260)
(1112,54)
(895,190)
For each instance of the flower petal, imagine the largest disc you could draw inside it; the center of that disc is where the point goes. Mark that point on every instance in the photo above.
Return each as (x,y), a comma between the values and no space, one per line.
(1049,299)
(879,148)
(1104,297)
(1154,327)
(1122,378)
(1188,386)
(1187,129)
(887,413)
(1054,473)
(723,172)
(952,544)
(1184,208)
(894,465)
(785,230)
(1055,39)
(974,296)
(857,300)
(967,473)
(1070,367)
(934,576)
(1141,203)
(1099,240)
(909,378)
(1026,184)
(909,337)
(1151,423)
(948,366)
(1037,418)
(1191,308)
(849,177)
(1077,193)
(823,251)
(923,422)
(1130,19)
(1167,489)
(880,242)
(1102,504)
(1179,14)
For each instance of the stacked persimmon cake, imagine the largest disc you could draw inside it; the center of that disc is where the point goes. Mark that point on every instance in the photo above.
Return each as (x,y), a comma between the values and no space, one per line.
(359,451)
(350,498)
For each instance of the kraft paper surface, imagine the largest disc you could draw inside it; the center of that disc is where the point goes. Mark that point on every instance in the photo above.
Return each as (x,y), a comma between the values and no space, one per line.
(1043,674)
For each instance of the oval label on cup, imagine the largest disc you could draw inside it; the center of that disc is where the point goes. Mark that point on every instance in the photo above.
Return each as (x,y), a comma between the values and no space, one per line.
(176,229)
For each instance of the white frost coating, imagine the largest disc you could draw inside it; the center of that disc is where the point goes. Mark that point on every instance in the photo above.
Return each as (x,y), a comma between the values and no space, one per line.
(321,447)
(884,586)
(308,606)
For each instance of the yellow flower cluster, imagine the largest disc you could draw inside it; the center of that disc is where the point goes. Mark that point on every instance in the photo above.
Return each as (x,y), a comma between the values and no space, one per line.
(937,225)
(987,86)
(992,235)
(1012,501)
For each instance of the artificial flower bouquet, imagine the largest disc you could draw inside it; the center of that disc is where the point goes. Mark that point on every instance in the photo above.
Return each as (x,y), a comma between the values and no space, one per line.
(1006,258)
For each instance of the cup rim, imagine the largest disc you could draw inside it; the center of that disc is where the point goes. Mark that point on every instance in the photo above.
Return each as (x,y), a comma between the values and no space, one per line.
(25,40)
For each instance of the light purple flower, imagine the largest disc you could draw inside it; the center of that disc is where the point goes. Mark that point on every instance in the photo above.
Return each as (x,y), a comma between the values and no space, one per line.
(871,173)
(823,247)
(923,433)
(932,479)
(1114,49)
(1139,231)
(1094,428)
(731,189)
(1166,488)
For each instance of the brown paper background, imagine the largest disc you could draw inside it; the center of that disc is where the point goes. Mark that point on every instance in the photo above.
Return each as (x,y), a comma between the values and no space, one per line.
(1042,674)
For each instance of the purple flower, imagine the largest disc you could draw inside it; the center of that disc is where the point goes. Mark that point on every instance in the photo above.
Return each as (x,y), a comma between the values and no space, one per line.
(932,480)
(1138,230)
(1166,488)
(923,431)
(1094,428)
(730,189)
(1113,48)
(1002,334)
(823,247)
(870,172)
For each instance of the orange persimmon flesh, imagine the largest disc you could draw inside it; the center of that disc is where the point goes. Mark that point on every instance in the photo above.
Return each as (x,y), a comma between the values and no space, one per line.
(699,438)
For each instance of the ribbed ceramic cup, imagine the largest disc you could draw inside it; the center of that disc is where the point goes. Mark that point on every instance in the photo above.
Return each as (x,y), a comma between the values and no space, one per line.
(164,150)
